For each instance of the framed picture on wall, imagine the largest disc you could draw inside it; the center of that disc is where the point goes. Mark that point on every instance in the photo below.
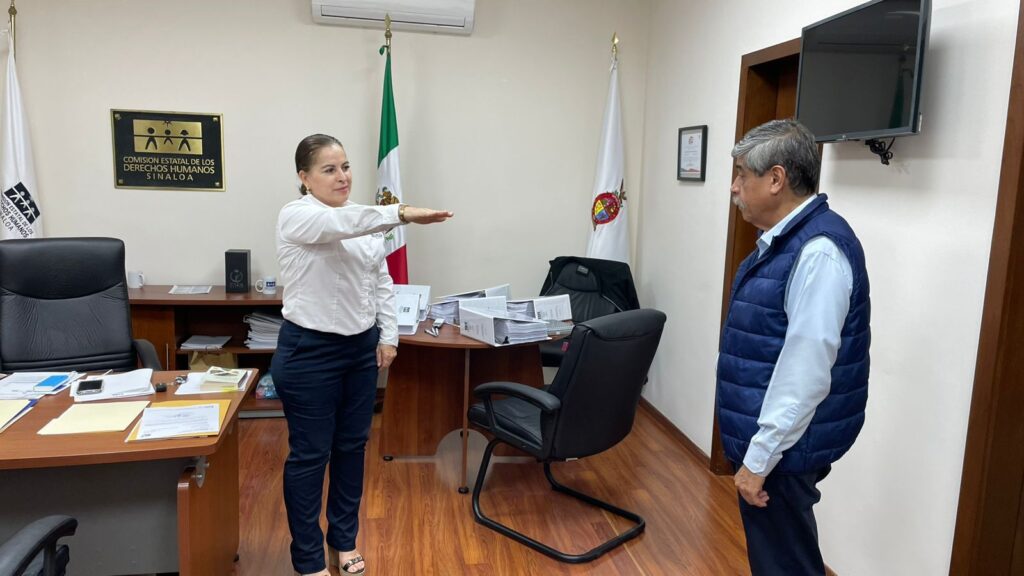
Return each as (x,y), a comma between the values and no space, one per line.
(693,149)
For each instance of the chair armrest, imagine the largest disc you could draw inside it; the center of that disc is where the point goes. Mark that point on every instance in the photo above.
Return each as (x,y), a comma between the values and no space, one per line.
(547,402)
(147,354)
(18,552)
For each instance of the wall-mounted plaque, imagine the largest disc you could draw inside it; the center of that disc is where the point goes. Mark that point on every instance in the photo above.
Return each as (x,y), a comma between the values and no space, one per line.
(168,150)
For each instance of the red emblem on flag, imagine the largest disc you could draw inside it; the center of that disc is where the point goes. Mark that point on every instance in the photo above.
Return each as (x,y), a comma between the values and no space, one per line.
(607,206)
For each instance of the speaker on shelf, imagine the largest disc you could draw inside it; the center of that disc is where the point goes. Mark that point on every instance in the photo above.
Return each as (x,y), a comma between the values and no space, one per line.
(237,271)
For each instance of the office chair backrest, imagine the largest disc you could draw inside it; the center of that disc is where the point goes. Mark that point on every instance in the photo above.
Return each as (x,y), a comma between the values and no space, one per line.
(595,287)
(600,380)
(64,305)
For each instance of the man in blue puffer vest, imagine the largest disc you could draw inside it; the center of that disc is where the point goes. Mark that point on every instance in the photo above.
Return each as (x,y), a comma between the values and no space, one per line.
(793,361)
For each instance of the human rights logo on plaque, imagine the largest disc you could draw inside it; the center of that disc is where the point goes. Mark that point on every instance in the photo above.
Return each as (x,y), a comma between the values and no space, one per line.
(168,150)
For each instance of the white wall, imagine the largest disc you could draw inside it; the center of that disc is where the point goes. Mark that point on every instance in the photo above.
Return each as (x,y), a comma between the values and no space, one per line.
(501,127)
(889,506)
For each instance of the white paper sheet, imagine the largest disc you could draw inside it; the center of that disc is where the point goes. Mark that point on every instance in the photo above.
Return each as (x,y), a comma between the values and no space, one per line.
(169,422)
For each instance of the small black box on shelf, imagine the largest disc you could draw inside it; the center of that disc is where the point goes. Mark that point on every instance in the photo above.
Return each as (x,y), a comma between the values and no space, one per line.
(237,271)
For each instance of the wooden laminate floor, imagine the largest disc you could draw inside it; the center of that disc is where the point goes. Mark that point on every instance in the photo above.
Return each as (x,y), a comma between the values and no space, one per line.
(413,522)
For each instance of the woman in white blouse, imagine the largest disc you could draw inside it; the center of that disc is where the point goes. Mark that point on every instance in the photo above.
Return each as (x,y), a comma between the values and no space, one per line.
(339,330)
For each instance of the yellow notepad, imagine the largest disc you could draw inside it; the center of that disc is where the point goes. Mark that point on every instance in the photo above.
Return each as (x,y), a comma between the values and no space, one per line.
(95,417)
(222,407)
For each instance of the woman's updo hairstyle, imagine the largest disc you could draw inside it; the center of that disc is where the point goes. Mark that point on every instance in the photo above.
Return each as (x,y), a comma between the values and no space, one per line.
(306,153)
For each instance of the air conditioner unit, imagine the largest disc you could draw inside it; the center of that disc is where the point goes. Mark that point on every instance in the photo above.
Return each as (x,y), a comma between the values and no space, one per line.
(440,16)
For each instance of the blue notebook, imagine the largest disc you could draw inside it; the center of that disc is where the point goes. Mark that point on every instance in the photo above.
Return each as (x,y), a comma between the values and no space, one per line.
(51,383)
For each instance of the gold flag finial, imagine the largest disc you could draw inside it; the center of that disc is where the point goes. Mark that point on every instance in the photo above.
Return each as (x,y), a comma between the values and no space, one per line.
(12,13)
(387,31)
(615,44)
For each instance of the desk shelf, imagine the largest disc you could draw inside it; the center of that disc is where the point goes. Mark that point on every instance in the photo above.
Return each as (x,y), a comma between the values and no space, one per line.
(167,320)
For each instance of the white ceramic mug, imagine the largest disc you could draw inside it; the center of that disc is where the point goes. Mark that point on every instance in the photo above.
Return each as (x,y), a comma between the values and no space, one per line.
(267,285)
(135,278)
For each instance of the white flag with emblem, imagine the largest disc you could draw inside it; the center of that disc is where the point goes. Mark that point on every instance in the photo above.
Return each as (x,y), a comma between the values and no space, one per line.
(609,234)
(19,202)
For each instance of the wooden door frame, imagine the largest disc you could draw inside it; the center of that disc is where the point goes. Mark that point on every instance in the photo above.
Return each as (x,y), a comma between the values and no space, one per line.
(740,237)
(988,538)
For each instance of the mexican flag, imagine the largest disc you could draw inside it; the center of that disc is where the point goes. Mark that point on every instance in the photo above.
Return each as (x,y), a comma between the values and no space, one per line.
(19,197)
(389,181)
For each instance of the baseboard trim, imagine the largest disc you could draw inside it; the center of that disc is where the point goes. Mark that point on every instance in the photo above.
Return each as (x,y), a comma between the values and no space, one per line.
(675,432)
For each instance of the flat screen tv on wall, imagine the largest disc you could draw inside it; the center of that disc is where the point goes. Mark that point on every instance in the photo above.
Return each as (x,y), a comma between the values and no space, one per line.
(860,71)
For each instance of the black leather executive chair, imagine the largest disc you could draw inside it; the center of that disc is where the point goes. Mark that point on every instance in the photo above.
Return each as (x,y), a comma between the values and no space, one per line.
(33,551)
(64,306)
(595,287)
(588,408)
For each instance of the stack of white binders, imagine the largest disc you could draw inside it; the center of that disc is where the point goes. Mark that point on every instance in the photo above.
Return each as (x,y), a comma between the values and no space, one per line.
(411,305)
(447,308)
(263,330)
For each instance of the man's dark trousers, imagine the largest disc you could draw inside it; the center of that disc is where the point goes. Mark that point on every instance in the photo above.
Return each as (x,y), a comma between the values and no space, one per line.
(782,538)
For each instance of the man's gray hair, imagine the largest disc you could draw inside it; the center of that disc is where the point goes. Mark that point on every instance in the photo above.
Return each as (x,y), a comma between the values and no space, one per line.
(785,143)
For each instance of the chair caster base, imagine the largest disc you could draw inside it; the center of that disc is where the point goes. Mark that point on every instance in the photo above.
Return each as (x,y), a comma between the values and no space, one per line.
(389,458)
(463,490)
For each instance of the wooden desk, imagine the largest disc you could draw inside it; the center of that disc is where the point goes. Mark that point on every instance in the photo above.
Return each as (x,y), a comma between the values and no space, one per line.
(142,507)
(429,386)
(167,320)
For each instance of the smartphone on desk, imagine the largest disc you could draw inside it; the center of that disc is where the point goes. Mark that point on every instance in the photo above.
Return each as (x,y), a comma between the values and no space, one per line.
(91,386)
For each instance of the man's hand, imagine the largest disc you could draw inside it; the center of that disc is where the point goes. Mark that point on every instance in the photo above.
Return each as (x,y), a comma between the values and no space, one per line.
(385,355)
(749,485)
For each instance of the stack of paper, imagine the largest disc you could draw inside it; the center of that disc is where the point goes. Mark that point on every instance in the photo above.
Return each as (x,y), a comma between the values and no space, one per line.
(519,329)
(263,330)
(447,310)
(180,419)
(105,417)
(555,310)
(501,328)
(125,385)
(12,410)
(205,342)
(544,308)
(28,385)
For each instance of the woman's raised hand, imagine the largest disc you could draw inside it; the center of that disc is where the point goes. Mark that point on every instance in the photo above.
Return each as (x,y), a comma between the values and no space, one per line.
(426,215)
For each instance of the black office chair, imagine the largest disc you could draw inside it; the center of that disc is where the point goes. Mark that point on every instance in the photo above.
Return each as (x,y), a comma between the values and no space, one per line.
(588,408)
(33,551)
(595,287)
(64,306)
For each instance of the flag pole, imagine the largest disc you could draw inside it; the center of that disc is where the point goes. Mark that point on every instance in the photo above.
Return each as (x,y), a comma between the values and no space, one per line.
(615,44)
(12,14)
(387,32)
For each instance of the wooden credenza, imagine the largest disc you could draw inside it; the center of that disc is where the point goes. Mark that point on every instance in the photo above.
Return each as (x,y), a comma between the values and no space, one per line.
(167,320)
